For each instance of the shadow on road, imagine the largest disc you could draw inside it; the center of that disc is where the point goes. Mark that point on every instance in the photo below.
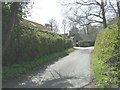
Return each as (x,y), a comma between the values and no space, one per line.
(71,71)
(57,83)
(27,76)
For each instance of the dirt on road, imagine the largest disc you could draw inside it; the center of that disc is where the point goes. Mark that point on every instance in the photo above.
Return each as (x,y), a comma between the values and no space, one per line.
(72,71)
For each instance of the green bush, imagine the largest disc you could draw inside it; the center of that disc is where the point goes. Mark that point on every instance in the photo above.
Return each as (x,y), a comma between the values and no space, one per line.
(27,44)
(86,43)
(106,57)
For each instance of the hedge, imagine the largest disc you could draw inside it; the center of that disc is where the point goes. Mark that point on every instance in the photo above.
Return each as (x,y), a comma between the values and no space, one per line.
(86,43)
(107,55)
(28,43)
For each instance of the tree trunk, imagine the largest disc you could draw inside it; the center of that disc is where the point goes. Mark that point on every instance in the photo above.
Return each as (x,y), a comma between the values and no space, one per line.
(118,6)
(103,14)
(51,27)
(14,12)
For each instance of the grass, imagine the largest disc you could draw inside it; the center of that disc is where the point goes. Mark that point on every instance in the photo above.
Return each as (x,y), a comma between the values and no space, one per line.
(104,54)
(102,80)
(13,71)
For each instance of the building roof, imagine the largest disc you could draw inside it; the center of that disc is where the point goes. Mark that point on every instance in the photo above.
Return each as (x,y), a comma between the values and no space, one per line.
(34,25)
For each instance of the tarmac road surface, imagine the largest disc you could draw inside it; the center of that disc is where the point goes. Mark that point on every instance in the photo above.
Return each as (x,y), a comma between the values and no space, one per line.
(71,71)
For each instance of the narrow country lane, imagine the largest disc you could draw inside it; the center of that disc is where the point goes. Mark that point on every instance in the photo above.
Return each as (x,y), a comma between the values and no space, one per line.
(72,71)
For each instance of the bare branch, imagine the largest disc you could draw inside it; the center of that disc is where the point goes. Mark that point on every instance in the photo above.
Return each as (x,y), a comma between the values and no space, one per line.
(91,3)
(85,3)
(94,21)
(113,7)
(96,15)
(98,3)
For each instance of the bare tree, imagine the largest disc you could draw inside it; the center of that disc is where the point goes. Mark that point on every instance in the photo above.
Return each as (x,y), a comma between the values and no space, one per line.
(100,14)
(64,25)
(53,24)
(85,13)
(116,11)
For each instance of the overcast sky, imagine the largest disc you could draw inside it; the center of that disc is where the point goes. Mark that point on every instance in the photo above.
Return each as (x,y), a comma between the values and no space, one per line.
(43,10)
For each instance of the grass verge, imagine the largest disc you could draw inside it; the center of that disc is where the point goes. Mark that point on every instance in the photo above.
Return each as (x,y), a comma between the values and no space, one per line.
(101,71)
(13,71)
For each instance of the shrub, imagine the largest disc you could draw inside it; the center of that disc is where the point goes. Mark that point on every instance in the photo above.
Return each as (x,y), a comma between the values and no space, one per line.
(86,43)
(28,43)
(106,54)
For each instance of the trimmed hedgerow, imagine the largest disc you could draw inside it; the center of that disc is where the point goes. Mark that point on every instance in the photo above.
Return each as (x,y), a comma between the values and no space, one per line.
(28,43)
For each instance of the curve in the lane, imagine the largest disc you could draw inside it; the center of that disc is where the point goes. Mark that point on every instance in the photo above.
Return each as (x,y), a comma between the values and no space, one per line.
(72,71)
